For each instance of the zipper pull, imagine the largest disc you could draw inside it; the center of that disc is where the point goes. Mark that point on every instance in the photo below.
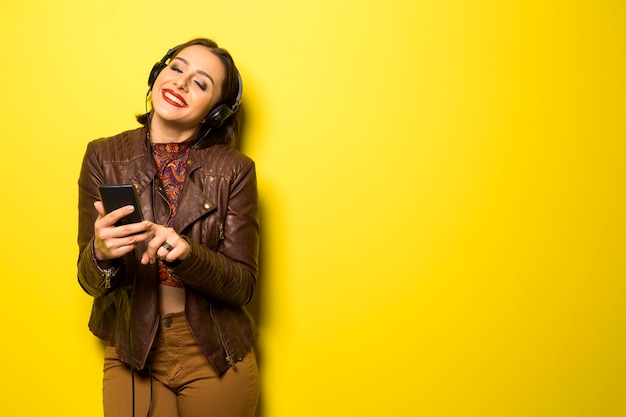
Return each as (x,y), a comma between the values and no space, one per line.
(108,273)
(221,229)
(230,362)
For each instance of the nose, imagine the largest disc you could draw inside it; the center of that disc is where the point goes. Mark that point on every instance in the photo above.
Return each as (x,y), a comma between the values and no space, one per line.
(181,82)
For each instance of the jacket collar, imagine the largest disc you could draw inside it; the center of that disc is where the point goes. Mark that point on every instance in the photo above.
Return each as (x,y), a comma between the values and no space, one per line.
(193,201)
(146,168)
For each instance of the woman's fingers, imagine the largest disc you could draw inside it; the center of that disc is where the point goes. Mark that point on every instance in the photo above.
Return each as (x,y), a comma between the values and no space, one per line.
(113,241)
(165,244)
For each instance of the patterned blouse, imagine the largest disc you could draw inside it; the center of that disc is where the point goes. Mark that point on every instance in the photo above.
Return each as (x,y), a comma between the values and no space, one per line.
(171,162)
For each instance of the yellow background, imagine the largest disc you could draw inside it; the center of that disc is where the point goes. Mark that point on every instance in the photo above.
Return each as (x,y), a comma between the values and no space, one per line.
(442,185)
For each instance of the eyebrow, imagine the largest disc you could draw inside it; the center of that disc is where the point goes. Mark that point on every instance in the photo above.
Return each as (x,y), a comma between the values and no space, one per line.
(198,71)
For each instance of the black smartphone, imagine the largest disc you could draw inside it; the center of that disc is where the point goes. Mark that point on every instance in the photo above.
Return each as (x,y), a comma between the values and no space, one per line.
(114,196)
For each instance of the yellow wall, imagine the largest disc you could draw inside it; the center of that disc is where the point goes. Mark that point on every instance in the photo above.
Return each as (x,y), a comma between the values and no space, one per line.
(442,185)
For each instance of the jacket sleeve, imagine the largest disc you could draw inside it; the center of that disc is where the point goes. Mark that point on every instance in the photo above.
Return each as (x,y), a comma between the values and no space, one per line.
(229,274)
(90,275)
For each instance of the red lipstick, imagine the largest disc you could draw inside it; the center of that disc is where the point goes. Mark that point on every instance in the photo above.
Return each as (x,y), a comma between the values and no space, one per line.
(173,98)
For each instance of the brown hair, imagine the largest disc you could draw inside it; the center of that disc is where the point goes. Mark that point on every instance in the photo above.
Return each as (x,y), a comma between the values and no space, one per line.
(228,132)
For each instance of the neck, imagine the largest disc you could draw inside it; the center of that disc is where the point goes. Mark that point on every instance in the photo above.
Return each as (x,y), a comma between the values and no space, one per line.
(165,133)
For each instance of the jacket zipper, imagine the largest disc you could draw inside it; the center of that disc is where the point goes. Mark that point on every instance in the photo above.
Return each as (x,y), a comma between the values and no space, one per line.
(108,273)
(229,359)
(167,201)
(220,226)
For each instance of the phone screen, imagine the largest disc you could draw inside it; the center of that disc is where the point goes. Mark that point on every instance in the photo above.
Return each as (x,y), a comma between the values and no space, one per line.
(114,196)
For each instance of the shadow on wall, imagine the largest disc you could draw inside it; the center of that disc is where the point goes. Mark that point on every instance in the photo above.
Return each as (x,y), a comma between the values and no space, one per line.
(255,306)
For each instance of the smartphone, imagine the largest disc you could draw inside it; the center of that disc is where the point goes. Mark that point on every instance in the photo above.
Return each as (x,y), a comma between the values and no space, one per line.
(114,196)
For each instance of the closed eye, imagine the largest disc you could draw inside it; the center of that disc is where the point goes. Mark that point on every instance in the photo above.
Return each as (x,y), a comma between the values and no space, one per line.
(179,70)
(200,72)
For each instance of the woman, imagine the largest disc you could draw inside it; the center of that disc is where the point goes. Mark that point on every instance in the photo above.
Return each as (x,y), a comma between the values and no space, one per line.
(170,291)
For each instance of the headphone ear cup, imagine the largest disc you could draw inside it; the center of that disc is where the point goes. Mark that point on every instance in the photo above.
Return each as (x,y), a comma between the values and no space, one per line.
(160,66)
(156,70)
(218,115)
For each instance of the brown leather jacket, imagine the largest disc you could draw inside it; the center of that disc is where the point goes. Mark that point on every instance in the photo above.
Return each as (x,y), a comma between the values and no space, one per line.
(217,213)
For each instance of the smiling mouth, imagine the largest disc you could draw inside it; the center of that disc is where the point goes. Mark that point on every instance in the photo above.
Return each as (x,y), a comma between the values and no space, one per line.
(174,99)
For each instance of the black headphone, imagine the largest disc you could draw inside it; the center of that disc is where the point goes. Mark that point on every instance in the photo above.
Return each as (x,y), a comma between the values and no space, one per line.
(219,114)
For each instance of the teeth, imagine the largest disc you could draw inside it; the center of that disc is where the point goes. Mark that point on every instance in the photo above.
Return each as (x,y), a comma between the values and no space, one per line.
(175,99)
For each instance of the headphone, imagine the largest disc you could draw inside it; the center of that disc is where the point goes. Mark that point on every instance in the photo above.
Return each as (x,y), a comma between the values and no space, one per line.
(216,116)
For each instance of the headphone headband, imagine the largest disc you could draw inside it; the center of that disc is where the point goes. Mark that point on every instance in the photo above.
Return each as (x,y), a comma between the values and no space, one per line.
(220,113)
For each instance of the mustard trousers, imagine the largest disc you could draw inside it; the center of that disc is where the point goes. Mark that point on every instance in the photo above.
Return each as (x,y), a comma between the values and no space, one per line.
(181,381)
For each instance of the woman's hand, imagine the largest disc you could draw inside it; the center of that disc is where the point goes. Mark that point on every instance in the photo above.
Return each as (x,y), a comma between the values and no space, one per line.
(165,244)
(112,241)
